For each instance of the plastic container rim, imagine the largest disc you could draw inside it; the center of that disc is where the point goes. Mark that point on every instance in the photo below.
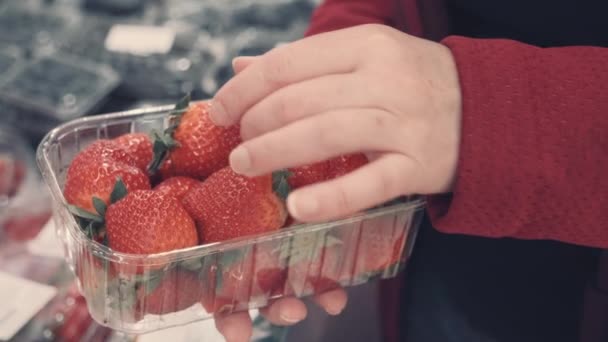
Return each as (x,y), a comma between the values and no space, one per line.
(182,254)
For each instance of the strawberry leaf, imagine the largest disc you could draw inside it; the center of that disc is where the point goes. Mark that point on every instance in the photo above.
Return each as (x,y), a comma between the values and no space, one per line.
(183,103)
(163,143)
(89,230)
(100,206)
(84,214)
(225,260)
(151,283)
(280,185)
(119,191)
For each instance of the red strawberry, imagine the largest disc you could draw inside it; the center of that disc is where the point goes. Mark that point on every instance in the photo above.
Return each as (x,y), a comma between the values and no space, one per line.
(194,146)
(227,205)
(377,244)
(269,270)
(244,278)
(345,164)
(94,171)
(176,186)
(308,174)
(147,222)
(176,291)
(12,174)
(138,146)
(316,264)
(325,170)
(26,226)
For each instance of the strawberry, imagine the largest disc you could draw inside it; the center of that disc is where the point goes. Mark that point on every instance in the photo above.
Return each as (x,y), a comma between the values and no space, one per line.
(12,175)
(315,265)
(26,227)
(308,174)
(193,145)
(176,186)
(270,275)
(94,171)
(138,146)
(345,164)
(147,222)
(227,205)
(377,244)
(175,291)
(241,278)
(325,170)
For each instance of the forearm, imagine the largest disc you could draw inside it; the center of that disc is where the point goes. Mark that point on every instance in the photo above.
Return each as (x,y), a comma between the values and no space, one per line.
(534,147)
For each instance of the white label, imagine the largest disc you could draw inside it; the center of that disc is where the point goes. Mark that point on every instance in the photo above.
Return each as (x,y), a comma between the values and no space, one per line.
(46,244)
(140,39)
(21,299)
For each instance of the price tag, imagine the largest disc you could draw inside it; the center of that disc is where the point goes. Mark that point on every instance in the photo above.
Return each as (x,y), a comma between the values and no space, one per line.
(140,39)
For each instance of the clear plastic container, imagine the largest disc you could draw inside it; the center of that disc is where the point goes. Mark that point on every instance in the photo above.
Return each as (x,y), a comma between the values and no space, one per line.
(60,87)
(144,293)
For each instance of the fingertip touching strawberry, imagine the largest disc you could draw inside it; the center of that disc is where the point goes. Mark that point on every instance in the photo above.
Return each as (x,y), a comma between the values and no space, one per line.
(138,146)
(228,205)
(177,186)
(148,222)
(193,145)
(94,171)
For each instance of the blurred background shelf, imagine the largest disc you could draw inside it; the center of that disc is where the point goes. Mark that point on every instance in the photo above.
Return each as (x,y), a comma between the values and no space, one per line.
(63,59)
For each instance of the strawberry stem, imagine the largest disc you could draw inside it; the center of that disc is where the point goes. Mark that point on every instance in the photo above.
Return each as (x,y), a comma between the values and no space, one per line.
(164,142)
(119,191)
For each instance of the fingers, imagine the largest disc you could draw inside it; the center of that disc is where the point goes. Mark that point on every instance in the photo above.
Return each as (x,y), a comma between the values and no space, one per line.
(285,311)
(235,327)
(299,100)
(315,138)
(333,302)
(319,55)
(240,63)
(381,180)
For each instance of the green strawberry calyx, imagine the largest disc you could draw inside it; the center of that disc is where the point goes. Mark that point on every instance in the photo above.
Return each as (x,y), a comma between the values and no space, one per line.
(280,185)
(164,142)
(93,224)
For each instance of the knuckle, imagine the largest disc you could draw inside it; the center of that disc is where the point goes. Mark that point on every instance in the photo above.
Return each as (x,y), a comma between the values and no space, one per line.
(326,134)
(274,72)
(283,109)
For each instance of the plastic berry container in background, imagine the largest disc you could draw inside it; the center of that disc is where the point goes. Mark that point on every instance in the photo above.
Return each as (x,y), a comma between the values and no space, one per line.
(25,204)
(143,293)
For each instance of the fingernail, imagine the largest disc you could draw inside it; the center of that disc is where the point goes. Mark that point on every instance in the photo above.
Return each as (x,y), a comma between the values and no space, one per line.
(302,206)
(217,113)
(289,318)
(334,311)
(240,160)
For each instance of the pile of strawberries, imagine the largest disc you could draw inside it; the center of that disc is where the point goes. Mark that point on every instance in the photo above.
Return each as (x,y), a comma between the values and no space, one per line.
(144,194)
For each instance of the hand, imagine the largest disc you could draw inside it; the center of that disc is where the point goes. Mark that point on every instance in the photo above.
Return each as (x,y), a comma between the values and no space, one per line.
(285,311)
(369,88)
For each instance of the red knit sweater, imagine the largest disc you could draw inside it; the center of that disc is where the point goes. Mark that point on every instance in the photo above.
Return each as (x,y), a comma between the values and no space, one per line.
(534,150)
